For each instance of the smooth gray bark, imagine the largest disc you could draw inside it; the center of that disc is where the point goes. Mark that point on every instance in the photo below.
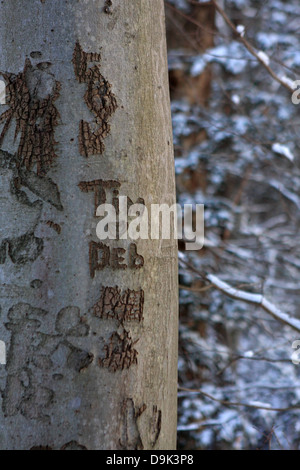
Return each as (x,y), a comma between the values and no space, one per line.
(91,350)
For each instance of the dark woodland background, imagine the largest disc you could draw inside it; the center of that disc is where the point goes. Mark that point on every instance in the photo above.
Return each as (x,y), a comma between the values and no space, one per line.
(236,140)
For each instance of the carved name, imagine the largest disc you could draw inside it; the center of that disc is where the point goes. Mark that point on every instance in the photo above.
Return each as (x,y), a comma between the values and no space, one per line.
(102,256)
(99,188)
(123,305)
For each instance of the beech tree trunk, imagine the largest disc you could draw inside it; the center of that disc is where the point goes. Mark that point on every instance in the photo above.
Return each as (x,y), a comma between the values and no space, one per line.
(90,328)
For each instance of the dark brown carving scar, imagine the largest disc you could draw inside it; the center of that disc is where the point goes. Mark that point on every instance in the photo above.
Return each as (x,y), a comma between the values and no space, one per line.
(30,96)
(99,99)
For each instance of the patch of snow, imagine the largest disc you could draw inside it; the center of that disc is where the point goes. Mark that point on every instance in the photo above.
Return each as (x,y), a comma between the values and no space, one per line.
(249,354)
(264,57)
(283,150)
(269,40)
(241,30)
(260,403)
(235,99)
(279,17)
(288,81)
(233,56)
(198,66)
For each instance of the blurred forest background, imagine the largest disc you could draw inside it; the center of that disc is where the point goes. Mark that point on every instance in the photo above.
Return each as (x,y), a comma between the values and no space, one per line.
(236,137)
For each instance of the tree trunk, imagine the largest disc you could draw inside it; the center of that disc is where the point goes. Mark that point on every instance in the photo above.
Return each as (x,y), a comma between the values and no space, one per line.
(90,329)
(193,32)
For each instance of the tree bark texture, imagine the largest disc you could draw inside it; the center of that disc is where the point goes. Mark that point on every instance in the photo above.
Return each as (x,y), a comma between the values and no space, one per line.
(90,328)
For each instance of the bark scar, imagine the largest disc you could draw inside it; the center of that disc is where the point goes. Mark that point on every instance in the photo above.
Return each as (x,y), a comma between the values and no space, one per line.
(99,99)
(30,96)
(130,434)
(122,305)
(120,353)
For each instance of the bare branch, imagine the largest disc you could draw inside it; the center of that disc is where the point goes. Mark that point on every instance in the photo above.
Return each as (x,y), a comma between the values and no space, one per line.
(251,49)
(232,403)
(256,299)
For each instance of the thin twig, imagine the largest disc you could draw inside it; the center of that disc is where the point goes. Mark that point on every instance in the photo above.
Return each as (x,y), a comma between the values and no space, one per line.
(194,289)
(256,299)
(195,22)
(232,403)
(250,48)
